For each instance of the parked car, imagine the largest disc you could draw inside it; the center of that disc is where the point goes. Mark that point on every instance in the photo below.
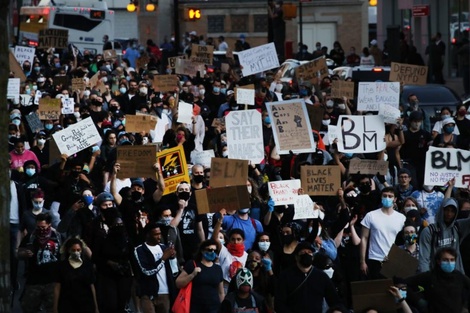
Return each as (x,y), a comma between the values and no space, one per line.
(363,73)
(286,72)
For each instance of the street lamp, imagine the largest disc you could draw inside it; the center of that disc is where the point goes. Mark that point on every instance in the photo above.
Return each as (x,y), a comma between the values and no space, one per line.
(150,7)
(131,7)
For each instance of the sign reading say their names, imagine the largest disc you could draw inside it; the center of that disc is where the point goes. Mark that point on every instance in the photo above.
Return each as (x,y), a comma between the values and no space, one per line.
(77,137)
(49,109)
(23,54)
(360,134)
(312,71)
(228,172)
(320,180)
(202,54)
(136,161)
(443,164)
(408,74)
(202,157)
(370,95)
(291,126)
(258,59)
(165,83)
(303,208)
(340,89)
(245,96)
(284,191)
(245,135)
(365,166)
(174,168)
(53,38)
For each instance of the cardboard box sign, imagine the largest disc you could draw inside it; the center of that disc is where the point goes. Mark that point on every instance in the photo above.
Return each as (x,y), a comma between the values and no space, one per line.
(136,161)
(340,89)
(365,166)
(408,74)
(49,109)
(320,180)
(373,293)
(138,123)
(202,54)
(214,199)
(399,263)
(228,172)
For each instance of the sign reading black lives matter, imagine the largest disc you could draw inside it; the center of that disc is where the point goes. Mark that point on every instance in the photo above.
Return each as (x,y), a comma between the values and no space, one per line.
(443,164)
(53,38)
(77,137)
(291,126)
(360,134)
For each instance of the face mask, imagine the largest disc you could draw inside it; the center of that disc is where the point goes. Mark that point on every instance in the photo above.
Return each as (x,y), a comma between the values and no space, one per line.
(123,122)
(75,174)
(41,142)
(409,208)
(447,267)
(143,90)
(37,68)
(216,89)
(387,202)
(411,239)
(223,91)
(88,200)
(287,239)
(330,271)
(184,195)
(443,117)
(267,120)
(318,48)
(76,255)
(415,125)
(462,112)
(279,87)
(166,220)
(87,93)
(244,211)
(305,260)
(225,153)
(198,178)
(17,122)
(57,65)
(108,66)
(202,92)
(209,256)
(30,171)
(365,188)
(449,129)
(329,103)
(145,140)
(264,246)
(35,87)
(428,188)
(48,126)
(136,195)
(348,155)
(41,79)
(179,137)
(222,242)
(252,265)
(326,122)
(250,189)
(122,90)
(342,106)
(28,91)
(303,93)
(76,114)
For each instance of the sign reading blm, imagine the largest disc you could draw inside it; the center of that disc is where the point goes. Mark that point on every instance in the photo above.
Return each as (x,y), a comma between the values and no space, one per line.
(361,134)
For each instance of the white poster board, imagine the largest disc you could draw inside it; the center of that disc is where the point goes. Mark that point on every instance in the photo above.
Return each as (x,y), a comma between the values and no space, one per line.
(77,137)
(284,191)
(202,157)
(68,105)
(13,89)
(185,112)
(245,135)
(443,164)
(371,95)
(245,96)
(361,134)
(389,113)
(258,59)
(303,208)
(332,134)
(24,54)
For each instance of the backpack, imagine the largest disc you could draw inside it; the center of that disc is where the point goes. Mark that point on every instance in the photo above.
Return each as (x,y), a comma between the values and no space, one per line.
(155,51)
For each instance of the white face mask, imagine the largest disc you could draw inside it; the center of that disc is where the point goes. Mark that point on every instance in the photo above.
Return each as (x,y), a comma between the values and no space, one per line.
(409,208)
(76,114)
(143,90)
(41,142)
(145,140)
(86,93)
(225,153)
(279,87)
(250,189)
(264,246)
(326,122)
(329,103)
(202,92)
(342,106)
(330,271)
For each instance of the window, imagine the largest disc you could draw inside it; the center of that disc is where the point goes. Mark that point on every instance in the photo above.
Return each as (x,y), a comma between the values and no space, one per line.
(215,23)
(261,23)
(239,23)
(77,22)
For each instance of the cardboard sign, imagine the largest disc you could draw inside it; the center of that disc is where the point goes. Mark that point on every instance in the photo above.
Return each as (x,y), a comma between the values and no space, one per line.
(389,113)
(15,67)
(68,106)
(13,89)
(109,55)
(443,164)
(140,123)
(78,83)
(185,112)
(60,80)
(365,166)
(53,38)
(136,161)
(165,83)
(142,62)
(174,168)
(202,54)
(172,61)
(341,88)
(228,172)
(24,54)
(312,71)
(371,95)
(291,126)
(284,191)
(303,208)
(202,157)
(49,109)
(408,74)
(373,293)
(186,67)
(215,199)
(94,80)
(315,115)
(361,134)
(320,180)
(399,263)
(34,122)
(258,59)
(245,96)
(77,137)
(245,135)
(54,153)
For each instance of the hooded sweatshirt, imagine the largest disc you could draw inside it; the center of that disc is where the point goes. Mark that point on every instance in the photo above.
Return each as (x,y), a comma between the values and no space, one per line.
(440,235)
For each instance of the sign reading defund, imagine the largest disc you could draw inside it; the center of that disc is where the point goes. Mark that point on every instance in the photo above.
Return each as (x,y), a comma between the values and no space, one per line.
(245,135)
(361,134)
(443,164)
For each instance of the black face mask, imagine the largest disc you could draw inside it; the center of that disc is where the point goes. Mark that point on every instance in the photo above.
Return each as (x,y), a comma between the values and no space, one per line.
(287,239)
(305,260)
(75,174)
(112,109)
(279,209)
(136,195)
(184,195)
(364,188)
(198,178)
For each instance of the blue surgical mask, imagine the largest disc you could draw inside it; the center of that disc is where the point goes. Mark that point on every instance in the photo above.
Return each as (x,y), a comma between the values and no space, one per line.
(264,245)
(216,89)
(57,65)
(303,92)
(27,91)
(88,199)
(223,91)
(16,121)
(267,120)
(222,242)
(387,202)
(443,117)
(48,126)
(122,90)
(209,256)
(348,155)
(447,267)
(37,68)
(30,171)
(402,293)
(449,129)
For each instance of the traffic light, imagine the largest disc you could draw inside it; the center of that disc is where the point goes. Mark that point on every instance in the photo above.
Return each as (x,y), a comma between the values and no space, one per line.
(194,14)
(373,3)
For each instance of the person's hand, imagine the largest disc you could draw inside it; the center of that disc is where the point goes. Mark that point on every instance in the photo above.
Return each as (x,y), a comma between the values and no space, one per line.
(395,292)
(364,268)
(268,264)
(451,183)
(300,191)
(116,168)
(27,253)
(64,157)
(168,253)
(77,205)
(271,205)
(196,271)
(340,193)
(353,220)
(97,153)
(381,178)
(156,167)
(181,204)
(318,242)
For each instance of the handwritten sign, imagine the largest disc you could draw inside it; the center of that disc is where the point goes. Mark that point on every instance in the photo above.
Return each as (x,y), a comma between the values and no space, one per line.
(215,199)
(15,67)
(67,106)
(303,208)
(136,161)
(13,89)
(258,59)
(320,180)
(78,83)
(165,83)
(361,134)
(284,191)
(186,67)
(340,89)
(312,71)
(49,109)
(408,74)
(373,94)
(332,133)
(172,61)
(443,164)
(202,157)
(53,38)
(185,112)
(174,168)
(228,172)
(389,113)
(202,54)
(77,137)
(245,96)
(34,122)
(26,100)
(23,54)
(140,123)
(109,55)
(365,166)
(291,126)
(245,136)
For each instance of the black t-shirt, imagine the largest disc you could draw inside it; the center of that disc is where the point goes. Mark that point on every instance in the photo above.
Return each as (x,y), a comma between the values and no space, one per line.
(205,290)
(415,147)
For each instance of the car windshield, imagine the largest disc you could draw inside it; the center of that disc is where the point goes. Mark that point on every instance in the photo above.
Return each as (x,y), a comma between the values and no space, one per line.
(433,95)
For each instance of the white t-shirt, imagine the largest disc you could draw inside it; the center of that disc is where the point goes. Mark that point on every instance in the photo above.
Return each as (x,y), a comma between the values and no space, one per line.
(383,231)
(230,263)
(161,275)
(438,128)
(120,183)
